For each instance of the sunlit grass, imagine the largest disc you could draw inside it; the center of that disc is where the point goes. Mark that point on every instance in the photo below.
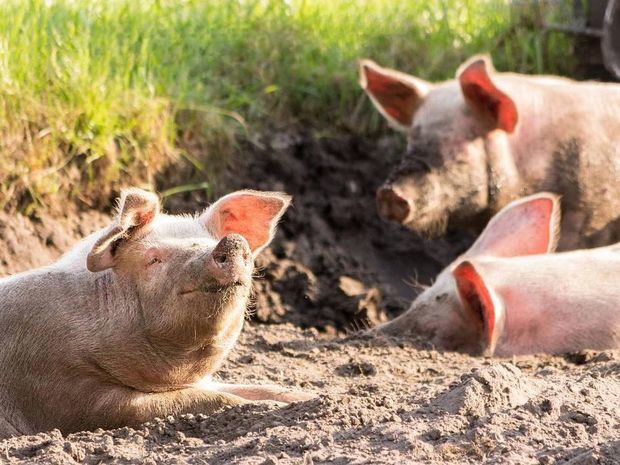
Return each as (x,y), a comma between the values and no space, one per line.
(98,93)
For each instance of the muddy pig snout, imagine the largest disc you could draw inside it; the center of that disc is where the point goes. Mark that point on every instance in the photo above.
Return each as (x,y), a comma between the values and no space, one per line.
(392,204)
(230,261)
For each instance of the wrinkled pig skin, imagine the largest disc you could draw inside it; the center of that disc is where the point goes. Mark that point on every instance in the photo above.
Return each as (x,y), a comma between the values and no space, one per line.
(509,295)
(132,322)
(483,139)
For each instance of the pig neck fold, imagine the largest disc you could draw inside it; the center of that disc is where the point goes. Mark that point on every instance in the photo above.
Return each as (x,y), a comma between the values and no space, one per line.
(165,359)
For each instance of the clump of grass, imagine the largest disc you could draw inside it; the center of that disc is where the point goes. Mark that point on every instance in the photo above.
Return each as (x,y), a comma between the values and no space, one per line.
(95,94)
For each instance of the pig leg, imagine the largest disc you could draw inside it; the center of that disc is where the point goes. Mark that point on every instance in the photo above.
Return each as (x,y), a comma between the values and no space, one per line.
(262,392)
(119,409)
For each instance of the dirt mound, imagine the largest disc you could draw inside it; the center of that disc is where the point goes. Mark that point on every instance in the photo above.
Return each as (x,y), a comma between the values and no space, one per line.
(489,390)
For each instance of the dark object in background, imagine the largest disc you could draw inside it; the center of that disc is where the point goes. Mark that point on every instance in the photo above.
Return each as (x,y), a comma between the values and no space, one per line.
(596,27)
(610,44)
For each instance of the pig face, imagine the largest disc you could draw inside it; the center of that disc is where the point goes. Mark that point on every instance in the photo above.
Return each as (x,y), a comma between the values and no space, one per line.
(458,312)
(189,277)
(443,177)
(438,315)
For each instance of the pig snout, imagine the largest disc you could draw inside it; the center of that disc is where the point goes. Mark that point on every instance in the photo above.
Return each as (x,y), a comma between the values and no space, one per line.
(393,205)
(231,261)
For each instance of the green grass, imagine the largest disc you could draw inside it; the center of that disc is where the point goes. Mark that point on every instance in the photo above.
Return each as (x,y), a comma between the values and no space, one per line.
(96,94)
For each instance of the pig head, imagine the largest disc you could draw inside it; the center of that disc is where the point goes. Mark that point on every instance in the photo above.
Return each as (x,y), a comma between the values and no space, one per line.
(508,295)
(485,138)
(133,321)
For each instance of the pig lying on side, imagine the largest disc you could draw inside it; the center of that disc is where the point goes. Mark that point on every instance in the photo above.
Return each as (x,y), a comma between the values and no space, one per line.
(129,324)
(506,295)
(485,138)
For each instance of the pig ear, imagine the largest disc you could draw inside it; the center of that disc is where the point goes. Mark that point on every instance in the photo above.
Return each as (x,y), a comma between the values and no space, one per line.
(527,226)
(252,214)
(484,97)
(396,95)
(481,305)
(136,211)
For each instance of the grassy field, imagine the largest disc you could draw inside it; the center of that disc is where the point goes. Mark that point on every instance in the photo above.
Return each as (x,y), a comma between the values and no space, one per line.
(95,94)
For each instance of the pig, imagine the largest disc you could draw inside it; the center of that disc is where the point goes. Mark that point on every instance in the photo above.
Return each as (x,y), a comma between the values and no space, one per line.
(479,141)
(132,322)
(509,295)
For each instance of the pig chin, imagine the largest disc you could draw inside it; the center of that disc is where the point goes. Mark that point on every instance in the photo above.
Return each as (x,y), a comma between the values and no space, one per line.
(429,226)
(215,298)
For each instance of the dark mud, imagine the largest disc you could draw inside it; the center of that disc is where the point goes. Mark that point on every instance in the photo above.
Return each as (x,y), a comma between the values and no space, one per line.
(334,265)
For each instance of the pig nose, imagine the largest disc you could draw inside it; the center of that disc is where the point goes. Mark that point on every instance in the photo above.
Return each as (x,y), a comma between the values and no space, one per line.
(230,249)
(392,205)
(230,260)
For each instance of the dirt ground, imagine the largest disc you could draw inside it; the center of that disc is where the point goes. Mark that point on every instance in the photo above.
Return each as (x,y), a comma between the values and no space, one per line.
(335,267)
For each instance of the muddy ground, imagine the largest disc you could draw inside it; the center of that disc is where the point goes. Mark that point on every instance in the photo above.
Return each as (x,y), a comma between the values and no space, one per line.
(335,267)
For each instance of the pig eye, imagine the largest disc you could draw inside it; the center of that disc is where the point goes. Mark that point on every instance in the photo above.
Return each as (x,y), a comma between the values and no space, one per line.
(153,261)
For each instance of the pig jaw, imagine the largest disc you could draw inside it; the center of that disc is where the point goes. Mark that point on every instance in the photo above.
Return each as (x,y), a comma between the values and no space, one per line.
(185,343)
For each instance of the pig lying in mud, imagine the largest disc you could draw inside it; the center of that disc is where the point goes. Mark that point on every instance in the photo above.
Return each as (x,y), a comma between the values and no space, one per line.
(485,138)
(130,323)
(508,295)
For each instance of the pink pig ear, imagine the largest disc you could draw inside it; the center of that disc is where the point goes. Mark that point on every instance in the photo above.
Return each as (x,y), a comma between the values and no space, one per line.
(252,214)
(136,211)
(527,226)
(484,97)
(481,306)
(396,95)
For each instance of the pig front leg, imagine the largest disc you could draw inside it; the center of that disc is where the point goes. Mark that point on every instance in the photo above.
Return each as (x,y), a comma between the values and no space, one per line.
(252,392)
(120,409)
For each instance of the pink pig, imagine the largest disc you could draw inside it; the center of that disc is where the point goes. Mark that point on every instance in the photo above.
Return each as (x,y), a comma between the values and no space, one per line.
(508,295)
(479,141)
(132,322)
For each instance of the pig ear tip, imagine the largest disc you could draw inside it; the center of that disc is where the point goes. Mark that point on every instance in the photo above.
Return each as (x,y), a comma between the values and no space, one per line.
(481,59)
(484,58)
(286,199)
(551,196)
(136,192)
(283,197)
(365,65)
